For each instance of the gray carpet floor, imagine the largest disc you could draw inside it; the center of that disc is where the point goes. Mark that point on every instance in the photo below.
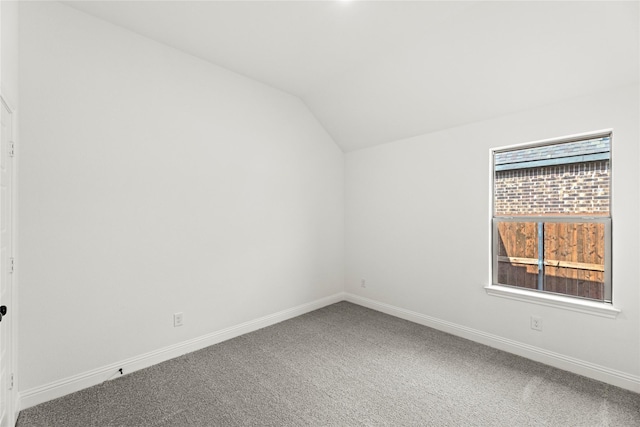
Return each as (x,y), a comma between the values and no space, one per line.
(344,365)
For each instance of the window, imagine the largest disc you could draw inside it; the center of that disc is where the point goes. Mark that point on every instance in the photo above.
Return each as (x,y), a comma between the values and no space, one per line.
(551,217)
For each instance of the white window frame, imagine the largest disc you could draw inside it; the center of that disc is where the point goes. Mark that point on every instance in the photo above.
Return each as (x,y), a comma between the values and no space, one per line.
(567,302)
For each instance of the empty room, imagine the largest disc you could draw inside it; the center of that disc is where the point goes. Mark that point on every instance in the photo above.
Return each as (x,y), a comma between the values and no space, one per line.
(320,213)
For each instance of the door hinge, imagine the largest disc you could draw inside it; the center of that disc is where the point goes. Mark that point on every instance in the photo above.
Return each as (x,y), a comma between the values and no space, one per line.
(12,149)
(12,265)
(11,383)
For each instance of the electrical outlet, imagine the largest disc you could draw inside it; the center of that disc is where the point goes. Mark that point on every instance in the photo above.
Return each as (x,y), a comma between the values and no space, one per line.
(536,323)
(177,319)
(363,283)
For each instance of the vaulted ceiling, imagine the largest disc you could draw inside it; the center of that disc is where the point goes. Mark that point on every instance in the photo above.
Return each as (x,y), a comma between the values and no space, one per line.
(378,71)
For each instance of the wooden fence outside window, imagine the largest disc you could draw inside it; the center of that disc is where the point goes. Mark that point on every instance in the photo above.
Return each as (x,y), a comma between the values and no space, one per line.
(573,261)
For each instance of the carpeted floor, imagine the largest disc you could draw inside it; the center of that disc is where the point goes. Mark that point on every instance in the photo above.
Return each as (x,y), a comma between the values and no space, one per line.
(344,365)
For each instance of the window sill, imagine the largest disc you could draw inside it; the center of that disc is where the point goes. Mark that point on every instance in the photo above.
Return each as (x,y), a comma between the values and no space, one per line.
(552,300)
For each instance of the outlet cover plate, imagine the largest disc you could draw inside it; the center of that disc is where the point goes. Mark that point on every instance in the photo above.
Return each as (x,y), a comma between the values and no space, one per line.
(536,323)
(177,320)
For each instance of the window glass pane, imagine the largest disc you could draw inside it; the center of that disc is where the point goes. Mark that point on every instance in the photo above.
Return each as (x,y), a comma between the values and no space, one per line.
(574,258)
(543,240)
(518,254)
(560,179)
(562,257)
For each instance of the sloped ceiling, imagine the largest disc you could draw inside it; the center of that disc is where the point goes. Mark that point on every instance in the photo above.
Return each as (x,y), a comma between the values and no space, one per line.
(376,71)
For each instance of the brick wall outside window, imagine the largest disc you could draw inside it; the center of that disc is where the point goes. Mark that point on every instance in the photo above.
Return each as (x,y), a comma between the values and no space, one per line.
(579,188)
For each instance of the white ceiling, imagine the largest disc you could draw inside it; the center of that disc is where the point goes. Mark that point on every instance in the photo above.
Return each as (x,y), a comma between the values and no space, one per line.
(378,71)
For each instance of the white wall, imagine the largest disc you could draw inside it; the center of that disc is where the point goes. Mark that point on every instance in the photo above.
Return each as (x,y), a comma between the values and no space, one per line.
(418,230)
(152,182)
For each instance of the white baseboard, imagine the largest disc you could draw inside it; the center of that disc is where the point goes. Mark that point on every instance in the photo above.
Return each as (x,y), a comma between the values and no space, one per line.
(557,360)
(81,381)
(84,380)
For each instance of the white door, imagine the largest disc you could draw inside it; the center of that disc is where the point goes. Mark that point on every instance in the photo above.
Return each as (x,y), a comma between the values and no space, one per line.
(6,170)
